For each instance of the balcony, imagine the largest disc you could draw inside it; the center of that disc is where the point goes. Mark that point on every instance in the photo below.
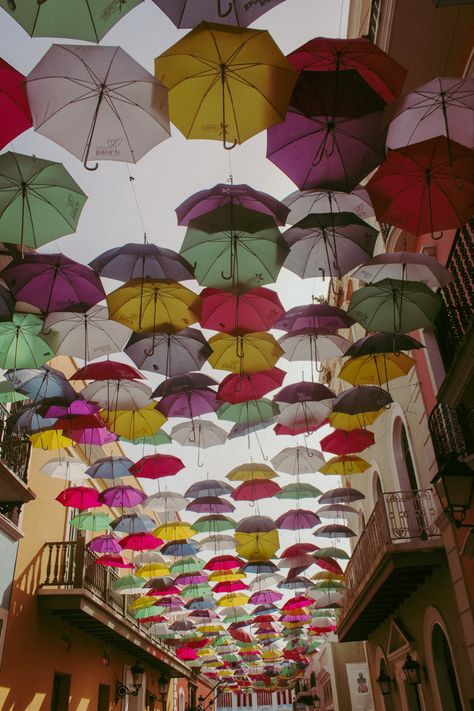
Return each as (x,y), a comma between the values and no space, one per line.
(452,432)
(76,589)
(14,461)
(398,549)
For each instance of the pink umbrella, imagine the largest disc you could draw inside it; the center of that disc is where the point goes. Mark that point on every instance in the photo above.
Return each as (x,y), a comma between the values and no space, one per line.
(255,489)
(114,561)
(237,388)
(156,466)
(91,437)
(298,601)
(140,542)
(265,597)
(79,497)
(255,310)
(14,108)
(297,519)
(186,654)
(224,562)
(228,587)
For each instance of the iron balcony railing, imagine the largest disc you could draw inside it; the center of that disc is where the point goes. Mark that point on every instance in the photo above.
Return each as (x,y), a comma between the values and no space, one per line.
(398,516)
(14,448)
(452,432)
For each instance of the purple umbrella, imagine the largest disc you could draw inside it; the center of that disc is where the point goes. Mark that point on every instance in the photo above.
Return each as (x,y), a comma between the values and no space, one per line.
(305,202)
(169,354)
(342,495)
(264,597)
(297,519)
(334,530)
(256,524)
(143,261)
(122,496)
(190,579)
(183,383)
(314,316)
(97,436)
(76,407)
(210,505)
(189,13)
(53,282)
(108,543)
(189,404)
(304,391)
(230,195)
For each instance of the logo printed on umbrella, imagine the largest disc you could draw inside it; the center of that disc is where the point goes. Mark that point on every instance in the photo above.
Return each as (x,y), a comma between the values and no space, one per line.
(111,9)
(74,206)
(111,149)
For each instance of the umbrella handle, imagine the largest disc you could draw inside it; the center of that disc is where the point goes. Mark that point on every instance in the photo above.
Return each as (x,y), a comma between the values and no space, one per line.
(436,238)
(87,167)
(220,11)
(228,147)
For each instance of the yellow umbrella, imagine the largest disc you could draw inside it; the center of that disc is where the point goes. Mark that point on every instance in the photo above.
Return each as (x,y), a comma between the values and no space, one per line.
(161,305)
(50,439)
(226,576)
(343,421)
(210,629)
(175,531)
(345,465)
(141,602)
(132,424)
(248,472)
(326,575)
(376,368)
(246,353)
(270,654)
(226,83)
(257,546)
(232,600)
(152,570)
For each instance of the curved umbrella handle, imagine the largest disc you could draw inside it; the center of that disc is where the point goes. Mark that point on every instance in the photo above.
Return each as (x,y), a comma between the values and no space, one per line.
(227,278)
(220,11)
(228,147)
(87,167)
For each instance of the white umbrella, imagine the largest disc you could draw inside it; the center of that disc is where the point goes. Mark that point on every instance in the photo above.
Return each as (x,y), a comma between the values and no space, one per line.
(166,501)
(68,468)
(298,460)
(406,266)
(118,394)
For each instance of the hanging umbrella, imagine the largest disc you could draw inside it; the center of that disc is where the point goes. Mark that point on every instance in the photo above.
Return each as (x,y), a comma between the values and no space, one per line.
(244,353)
(383,343)
(142,261)
(334,530)
(200,434)
(9,394)
(79,497)
(328,244)
(208,487)
(236,388)
(332,552)
(175,531)
(298,460)
(305,202)
(255,489)
(156,466)
(314,316)
(167,353)
(165,501)
(132,424)
(214,523)
(39,201)
(68,468)
(217,542)
(133,523)
(342,495)
(153,305)
(53,282)
(254,310)
(210,505)
(84,21)
(27,419)
(85,335)
(121,496)
(304,416)
(395,306)
(188,13)
(140,542)
(128,585)
(14,105)
(97,102)
(337,511)
(381,72)
(118,394)
(246,251)
(425,187)
(298,491)
(407,266)
(108,543)
(376,369)
(258,545)
(215,73)
(442,107)
(91,521)
(297,519)
(314,346)
(343,442)
(331,137)
(345,464)
(107,370)
(21,345)
(361,399)
(251,472)
(112,467)
(250,413)
(191,403)
(231,196)
(179,548)
(50,440)
(154,440)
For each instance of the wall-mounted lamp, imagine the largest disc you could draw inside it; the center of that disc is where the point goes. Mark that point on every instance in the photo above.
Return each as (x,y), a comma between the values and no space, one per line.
(385,682)
(413,671)
(163,683)
(454,484)
(137,678)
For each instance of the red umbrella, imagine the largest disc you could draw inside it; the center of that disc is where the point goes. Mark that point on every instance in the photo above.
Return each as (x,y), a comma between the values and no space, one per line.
(156,466)
(328,564)
(298,548)
(347,442)
(241,636)
(79,497)
(14,108)
(255,489)
(424,187)
(254,310)
(237,388)
(107,370)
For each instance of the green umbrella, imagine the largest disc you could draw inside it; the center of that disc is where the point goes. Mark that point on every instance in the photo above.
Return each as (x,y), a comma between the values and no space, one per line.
(252,412)
(214,523)
(395,306)
(75,19)
(187,565)
(328,585)
(199,590)
(128,585)
(156,439)
(145,612)
(91,521)
(333,552)
(20,344)
(39,201)
(298,491)
(241,247)
(9,394)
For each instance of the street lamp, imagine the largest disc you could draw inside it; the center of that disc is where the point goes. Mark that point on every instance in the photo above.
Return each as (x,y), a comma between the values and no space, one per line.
(137,678)
(454,484)
(163,683)
(413,670)
(385,682)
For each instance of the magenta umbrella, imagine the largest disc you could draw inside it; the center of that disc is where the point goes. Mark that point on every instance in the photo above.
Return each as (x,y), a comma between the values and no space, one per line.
(156,466)
(297,519)
(53,282)
(122,496)
(264,597)
(14,108)
(189,13)
(108,543)
(255,489)
(189,404)
(314,316)
(140,542)
(79,497)
(97,436)
(210,505)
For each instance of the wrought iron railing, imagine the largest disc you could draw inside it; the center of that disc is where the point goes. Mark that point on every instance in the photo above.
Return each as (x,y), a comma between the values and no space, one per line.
(374,20)
(398,516)
(456,317)
(452,432)
(14,448)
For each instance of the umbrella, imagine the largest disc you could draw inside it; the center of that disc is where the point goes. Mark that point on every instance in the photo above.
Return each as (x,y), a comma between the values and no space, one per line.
(343,442)
(381,72)
(39,201)
(112,467)
(91,521)
(314,316)
(254,310)
(142,261)
(236,388)
(395,306)
(132,424)
(84,21)
(200,434)
(68,468)
(156,466)
(128,585)
(165,501)
(345,465)
(21,345)
(133,523)
(328,244)
(308,344)
(85,335)
(217,542)
(108,543)
(140,542)
(298,460)
(407,266)
(376,369)
(246,251)
(250,412)
(79,497)
(246,353)
(304,202)
(215,73)
(175,531)
(342,495)
(442,107)
(331,137)
(179,548)
(214,523)
(334,530)
(336,511)
(153,305)
(255,489)
(190,404)
(208,487)
(118,394)
(50,439)
(250,472)
(121,496)
(14,105)
(107,370)
(230,195)
(297,519)
(9,394)
(425,187)
(188,13)
(298,491)
(53,282)
(211,505)
(258,545)
(97,102)
(167,353)
(382,343)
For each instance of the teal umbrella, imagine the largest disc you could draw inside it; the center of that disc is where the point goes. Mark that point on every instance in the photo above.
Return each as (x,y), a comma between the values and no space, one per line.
(75,19)
(39,201)
(21,346)
(88,521)
(252,412)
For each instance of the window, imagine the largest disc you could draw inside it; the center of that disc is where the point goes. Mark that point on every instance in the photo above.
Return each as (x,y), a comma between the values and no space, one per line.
(61,689)
(104,698)
(445,672)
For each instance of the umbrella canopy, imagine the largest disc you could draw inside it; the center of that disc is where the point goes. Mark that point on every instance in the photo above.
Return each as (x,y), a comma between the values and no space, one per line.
(314,316)
(132,424)
(118,394)
(107,370)
(298,492)
(209,487)
(79,497)
(342,495)
(298,460)
(376,369)
(86,22)
(297,519)
(191,403)
(345,465)
(250,472)
(238,388)
(167,353)
(361,399)
(153,305)
(68,468)
(383,343)
(7,304)
(91,521)
(246,353)
(133,523)
(21,345)
(246,251)
(258,545)
(142,261)
(211,505)
(81,96)
(165,501)
(255,490)
(200,434)
(304,202)
(307,344)
(250,413)
(188,13)
(343,442)
(14,104)
(409,266)
(334,530)
(156,466)
(121,496)
(215,73)
(254,310)
(39,201)
(110,468)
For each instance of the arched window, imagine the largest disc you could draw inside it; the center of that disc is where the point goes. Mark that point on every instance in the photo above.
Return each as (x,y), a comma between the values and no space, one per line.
(445,673)
(403,457)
